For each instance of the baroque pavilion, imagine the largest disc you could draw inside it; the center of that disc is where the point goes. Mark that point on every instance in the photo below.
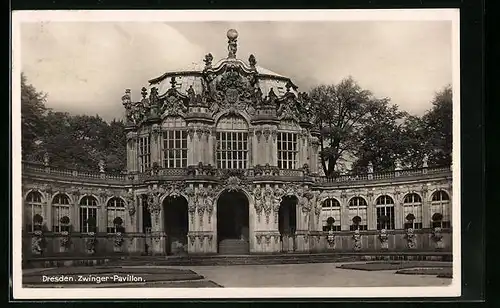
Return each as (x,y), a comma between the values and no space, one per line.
(224,160)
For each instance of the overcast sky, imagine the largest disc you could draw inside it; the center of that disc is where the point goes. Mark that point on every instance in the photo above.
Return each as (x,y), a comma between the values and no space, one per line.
(85,67)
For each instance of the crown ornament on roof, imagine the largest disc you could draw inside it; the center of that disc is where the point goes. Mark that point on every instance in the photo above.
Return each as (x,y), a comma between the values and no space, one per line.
(232,46)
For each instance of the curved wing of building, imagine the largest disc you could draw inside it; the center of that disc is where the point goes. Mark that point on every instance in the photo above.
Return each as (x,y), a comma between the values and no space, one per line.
(224,159)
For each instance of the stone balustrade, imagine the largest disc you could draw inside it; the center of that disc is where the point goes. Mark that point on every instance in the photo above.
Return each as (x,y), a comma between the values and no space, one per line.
(36,168)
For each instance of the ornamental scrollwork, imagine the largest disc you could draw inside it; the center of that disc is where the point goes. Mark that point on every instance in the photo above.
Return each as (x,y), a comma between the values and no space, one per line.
(154,204)
(130,199)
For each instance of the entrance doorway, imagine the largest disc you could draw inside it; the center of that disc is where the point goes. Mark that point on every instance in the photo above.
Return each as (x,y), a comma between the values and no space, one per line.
(232,223)
(176,224)
(287,223)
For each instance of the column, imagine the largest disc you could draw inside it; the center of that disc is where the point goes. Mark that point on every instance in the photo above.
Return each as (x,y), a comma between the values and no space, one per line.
(154,140)
(102,215)
(190,145)
(48,210)
(398,212)
(426,210)
(346,221)
(371,212)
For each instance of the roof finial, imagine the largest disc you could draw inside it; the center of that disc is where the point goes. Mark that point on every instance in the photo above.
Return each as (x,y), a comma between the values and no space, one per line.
(232,36)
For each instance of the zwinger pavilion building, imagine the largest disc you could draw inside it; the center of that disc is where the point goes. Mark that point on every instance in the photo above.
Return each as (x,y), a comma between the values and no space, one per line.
(224,160)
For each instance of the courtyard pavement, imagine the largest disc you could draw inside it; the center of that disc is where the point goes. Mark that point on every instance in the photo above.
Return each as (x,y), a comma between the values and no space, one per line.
(285,275)
(309,275)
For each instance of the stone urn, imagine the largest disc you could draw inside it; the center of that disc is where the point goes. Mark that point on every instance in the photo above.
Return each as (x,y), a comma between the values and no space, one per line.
(383,238)
(437,237)
(357,240)
(118,242)
(410,238)
(91,243)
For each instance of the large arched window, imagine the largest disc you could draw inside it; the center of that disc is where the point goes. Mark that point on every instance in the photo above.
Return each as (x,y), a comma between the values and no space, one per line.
(116,215)
(440,204)
(412,205)
(61,208)
(331,208)
(175,149)
(232,143)
(89,219)
(357,210)
(33,206)
(385,213)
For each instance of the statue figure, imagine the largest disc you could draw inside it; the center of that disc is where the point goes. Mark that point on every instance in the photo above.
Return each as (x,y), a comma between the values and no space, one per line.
(410,238)
(424,161)
(437,236)
(232,36)
(331,238)
(357,240)
(252,61)
(383,237)
(208,60)
(370,167)
(101,166)
(46,159)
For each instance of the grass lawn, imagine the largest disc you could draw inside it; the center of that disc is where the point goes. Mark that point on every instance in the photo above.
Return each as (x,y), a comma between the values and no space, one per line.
(388,266)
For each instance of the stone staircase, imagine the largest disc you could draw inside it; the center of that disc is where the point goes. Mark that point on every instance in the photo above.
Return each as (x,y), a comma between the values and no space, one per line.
(233,247)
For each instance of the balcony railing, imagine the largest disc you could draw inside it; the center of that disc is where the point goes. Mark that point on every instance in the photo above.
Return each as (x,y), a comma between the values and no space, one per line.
(210,171)
(40,168)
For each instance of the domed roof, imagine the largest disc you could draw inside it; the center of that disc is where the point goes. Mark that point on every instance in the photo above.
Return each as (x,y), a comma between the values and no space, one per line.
(191,76)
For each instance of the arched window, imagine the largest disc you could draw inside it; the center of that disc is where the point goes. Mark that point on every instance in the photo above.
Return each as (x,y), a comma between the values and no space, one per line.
(232,143)
(116,215)
(331,208)
(175,147)
(61,208)
(358,208)
(32,207)
(412,206)
(385,213)
(88,214)
(440,204)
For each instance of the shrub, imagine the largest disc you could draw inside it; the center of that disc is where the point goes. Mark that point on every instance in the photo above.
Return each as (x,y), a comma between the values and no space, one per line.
(118,221)
(437,217)
(64,220)
(410,217)
(38,219)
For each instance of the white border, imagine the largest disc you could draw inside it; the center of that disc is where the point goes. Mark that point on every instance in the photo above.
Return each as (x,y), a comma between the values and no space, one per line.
(454,289)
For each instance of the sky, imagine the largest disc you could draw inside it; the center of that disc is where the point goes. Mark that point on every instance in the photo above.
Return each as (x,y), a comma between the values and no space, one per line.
(85,67)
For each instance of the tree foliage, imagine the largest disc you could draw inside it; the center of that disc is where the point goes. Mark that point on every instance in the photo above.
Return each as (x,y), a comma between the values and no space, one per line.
(341,111)
(438,127)
(32,118)
(71,141)
(356,125)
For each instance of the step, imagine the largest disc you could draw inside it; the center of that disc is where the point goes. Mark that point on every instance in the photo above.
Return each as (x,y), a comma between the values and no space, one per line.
(233,246)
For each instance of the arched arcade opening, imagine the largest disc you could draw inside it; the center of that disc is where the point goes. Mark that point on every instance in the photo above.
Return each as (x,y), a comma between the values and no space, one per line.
(176,224)
(287,222)
(232,223)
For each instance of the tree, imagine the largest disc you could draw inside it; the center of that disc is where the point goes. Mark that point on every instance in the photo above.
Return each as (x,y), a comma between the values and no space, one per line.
(113,142)
(413,139)
(438,125)
(32,119)
(381,142)
(340,112)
